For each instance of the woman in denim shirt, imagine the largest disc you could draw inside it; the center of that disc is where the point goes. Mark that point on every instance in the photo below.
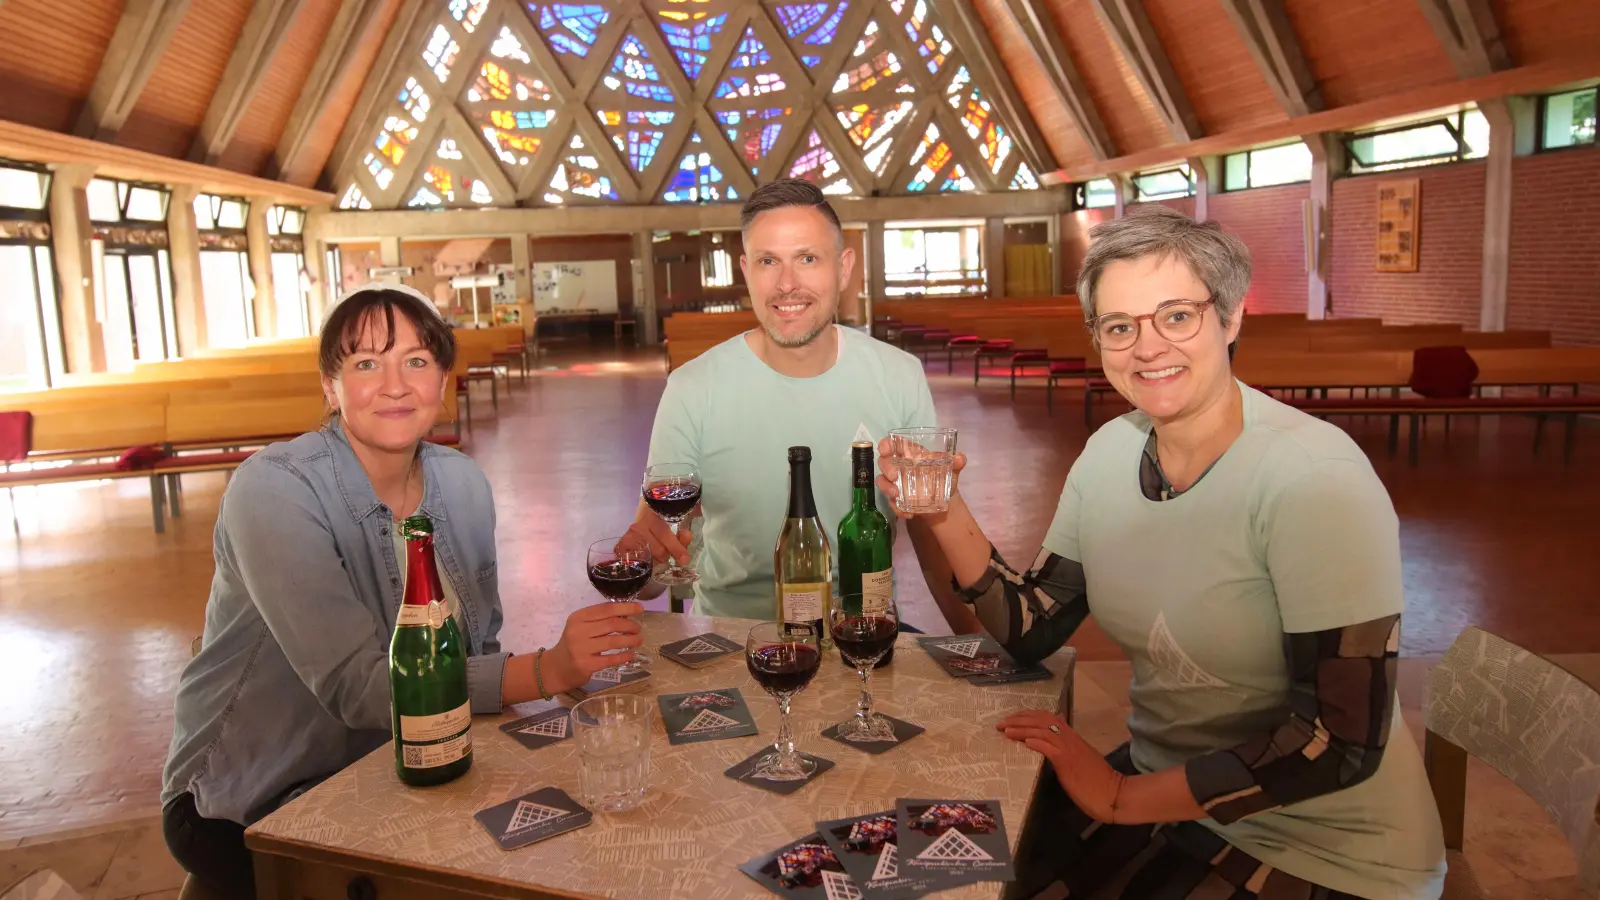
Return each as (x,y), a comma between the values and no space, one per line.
(292,683)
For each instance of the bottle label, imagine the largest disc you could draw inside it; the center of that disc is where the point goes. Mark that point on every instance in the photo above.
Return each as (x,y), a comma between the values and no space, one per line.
(434,614)
(429,741)
(803,602)
(877,589)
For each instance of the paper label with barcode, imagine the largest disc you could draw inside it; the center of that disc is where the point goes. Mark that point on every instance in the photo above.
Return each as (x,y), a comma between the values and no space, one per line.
(877,589)
(802,602)
(428,756)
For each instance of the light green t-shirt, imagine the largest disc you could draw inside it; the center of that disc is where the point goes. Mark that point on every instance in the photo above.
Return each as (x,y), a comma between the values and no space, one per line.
(1291,531)
(734,418)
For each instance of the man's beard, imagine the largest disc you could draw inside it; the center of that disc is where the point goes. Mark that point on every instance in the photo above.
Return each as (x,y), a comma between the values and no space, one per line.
(776,337)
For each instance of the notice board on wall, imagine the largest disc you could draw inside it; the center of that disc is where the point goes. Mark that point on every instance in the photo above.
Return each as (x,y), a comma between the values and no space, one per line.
(1399,215)
(573,288)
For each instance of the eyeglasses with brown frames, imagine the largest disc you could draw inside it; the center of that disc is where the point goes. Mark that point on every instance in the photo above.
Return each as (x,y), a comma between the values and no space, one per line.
(1174,320)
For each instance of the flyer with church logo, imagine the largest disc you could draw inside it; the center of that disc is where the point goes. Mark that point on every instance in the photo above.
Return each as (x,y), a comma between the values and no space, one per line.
(960,839)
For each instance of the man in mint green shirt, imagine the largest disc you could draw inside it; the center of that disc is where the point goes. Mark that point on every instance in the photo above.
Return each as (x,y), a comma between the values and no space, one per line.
(797,380)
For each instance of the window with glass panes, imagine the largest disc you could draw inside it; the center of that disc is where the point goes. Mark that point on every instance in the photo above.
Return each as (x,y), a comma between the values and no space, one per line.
(1164,184)
(225,278)
(934,259)
(133,296)
(1096,194)
(1567,120)
(290,287)
(1266,166)
(31,352)
(1447,138)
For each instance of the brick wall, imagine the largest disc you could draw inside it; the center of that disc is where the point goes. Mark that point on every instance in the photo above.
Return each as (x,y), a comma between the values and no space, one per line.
(1075,242)
(1555,254)
(1269,221)
(1445,287)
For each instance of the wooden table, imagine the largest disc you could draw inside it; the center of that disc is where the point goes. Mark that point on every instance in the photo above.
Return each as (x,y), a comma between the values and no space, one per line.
(361,834)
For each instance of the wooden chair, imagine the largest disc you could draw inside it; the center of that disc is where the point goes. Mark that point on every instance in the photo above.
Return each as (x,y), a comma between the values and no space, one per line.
(1535,723)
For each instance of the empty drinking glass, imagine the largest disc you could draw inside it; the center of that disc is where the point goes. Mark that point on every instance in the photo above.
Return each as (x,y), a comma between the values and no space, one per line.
(925,459)
(613,734)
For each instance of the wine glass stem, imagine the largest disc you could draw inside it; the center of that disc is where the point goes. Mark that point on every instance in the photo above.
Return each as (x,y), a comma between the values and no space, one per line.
(864,704)
(672,561)
(785,742)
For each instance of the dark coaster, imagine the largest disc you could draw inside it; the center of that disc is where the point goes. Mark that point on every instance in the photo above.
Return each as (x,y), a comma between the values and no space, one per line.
(533,817)
(541,729)
(903,731)
(746,772)
(700,650)
(706,716)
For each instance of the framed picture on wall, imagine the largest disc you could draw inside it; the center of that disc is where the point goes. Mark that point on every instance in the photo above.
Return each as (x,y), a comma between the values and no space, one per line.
(1399,218)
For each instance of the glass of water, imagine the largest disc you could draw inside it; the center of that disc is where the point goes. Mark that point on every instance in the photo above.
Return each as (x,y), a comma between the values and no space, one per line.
(925,458)
(613,735)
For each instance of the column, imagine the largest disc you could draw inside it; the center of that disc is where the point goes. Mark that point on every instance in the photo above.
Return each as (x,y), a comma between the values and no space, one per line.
(1511,123)
(389,255)
(325,286)
(1124,188)
(994,256)
(522,271)
(1055,255)
(1205,170)
(188,292)
(1327,162)
(259,250)
(71,240)
(644,288)
(877,274)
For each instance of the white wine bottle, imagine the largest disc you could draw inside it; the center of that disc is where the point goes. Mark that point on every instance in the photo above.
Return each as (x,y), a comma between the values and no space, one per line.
(802,565)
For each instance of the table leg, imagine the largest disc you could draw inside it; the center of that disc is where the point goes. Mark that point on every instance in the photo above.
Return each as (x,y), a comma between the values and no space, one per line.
(1414,438)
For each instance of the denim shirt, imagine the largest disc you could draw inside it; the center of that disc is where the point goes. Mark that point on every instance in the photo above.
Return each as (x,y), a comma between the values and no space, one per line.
(292,681)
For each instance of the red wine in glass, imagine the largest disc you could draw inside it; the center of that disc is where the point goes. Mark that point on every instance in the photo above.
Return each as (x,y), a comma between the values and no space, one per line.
(672,490)
(672,502)
(865,639)
(783,658)
(865,632)
(783,668)
(619,568)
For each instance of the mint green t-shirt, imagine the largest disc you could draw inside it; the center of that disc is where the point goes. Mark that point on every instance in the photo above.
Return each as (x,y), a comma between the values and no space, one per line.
(729,414)
(1289,532)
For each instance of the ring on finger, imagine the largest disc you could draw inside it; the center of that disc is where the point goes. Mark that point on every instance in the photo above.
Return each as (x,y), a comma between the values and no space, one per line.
(1055,729)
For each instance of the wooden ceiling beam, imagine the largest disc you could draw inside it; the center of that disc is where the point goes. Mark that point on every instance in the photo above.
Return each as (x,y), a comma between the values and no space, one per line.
(259,42)
(359,125)
(973,39)
(1039,27)
(1139,44)
(334,59)
(1470,35)
(136,48)
(24,142)
(1270,37)
(1520,80)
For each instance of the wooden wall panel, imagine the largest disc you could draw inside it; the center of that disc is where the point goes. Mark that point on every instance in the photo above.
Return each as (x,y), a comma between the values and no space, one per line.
(325,133)
(269,110)
(1048,109)
(1129,114)
(175,99)
(1540,30)
(50,59)
(1363,49)
(1224,85)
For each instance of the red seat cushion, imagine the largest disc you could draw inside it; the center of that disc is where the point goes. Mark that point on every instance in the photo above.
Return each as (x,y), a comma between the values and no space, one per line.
(220,458)
(1030,356)
(1068,367)
(16,435)
(141,457)
(1443,371)
(999,344)
(962,339)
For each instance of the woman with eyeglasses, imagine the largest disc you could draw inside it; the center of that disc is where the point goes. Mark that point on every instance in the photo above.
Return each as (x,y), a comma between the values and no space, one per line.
(1246,558)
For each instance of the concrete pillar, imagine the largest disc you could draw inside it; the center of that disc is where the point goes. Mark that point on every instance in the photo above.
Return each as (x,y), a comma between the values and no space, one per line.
(644,288)
(188,292)
(1327,163)
(1055,255)
(1205,179)
(1512,123)
(71,236)
(325,285)
(877,273)
(389,254)
(259,251)
(994,256)
(1124,186)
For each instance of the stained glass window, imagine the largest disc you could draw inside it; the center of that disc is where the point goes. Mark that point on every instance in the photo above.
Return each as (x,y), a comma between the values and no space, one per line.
(873,130)
(415,100)
(579,176)
(509,104)
(935,155)
(441,52)
(872,97)
(354,199)
(811,27)
(637,133)
(697,179)
(979,120)
(818,165)
(569,29)
(1024,180)
(442,182)
(929,39)
(749,72)
(689,33)
(754,132)
(958,180)
(468,12)
(634,72)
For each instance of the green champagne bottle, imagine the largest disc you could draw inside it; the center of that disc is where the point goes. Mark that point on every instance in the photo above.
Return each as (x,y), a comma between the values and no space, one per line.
(428,673)
(866,546)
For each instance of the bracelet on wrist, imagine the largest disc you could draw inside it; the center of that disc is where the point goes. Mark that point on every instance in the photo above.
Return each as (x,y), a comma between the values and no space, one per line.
(538,675)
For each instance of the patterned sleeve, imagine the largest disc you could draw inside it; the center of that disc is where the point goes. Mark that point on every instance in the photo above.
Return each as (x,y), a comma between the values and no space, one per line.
(1341,703)
(1032,614)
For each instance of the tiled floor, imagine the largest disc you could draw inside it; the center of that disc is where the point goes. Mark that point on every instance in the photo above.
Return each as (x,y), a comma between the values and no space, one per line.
(97,611)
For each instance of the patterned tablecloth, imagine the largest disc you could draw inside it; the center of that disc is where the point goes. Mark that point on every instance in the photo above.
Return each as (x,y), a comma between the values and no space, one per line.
(697,825)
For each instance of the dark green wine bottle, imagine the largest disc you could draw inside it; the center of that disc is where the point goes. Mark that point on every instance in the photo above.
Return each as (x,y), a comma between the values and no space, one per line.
(866,549)
(428,673)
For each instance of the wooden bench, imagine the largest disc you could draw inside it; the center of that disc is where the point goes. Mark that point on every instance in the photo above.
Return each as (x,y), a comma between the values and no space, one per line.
(690,334)
(1417,409)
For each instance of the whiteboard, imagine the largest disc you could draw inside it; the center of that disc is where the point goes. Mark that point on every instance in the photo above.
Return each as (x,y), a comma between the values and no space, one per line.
(588,286)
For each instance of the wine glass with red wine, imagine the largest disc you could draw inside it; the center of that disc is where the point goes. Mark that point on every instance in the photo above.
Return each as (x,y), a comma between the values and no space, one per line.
(672,490)
(782,658)
(864,629)
(619,569)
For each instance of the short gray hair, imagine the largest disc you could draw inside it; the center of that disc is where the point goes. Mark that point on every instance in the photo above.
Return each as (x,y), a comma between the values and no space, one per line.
(787,192)
(1217,258)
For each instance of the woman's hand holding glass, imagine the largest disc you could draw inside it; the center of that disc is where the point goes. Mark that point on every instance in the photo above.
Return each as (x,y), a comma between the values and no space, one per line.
(893,458)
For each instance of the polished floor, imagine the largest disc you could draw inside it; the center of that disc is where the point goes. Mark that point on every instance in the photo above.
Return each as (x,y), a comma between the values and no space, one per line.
(97,612)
